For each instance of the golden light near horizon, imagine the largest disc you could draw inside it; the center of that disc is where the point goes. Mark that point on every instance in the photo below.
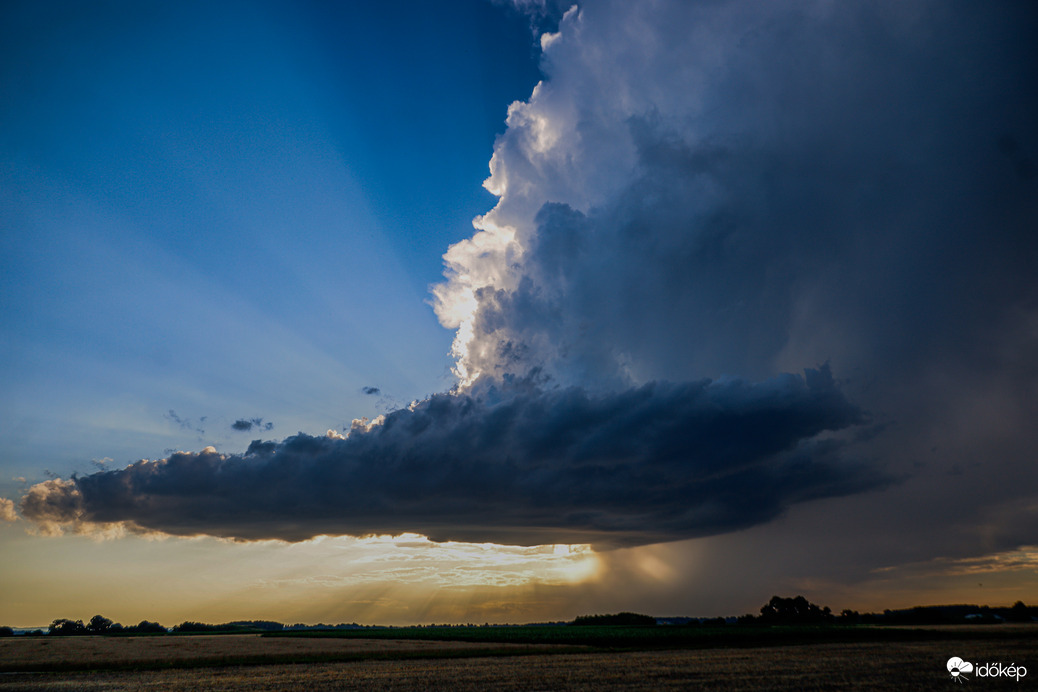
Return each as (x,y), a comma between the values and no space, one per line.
(414,559)
(376,579)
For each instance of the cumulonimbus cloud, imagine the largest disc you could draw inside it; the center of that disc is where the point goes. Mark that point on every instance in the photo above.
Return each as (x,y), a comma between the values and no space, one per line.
(695,189)
(504,462)
(701,188)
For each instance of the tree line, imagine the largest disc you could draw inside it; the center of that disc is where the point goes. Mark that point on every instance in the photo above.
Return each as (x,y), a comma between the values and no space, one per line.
(798,610)
(778,611)
(99,624)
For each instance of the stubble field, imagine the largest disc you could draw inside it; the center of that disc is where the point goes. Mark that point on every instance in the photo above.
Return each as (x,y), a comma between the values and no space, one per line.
(429,665)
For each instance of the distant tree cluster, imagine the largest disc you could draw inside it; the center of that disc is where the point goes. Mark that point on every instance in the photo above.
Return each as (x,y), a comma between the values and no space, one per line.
(194,627)
(951,615)
(229,627)
(617,620)
(799,611)
(340,626)
(99,624)
(68,628)
(1021,613)
(794,611)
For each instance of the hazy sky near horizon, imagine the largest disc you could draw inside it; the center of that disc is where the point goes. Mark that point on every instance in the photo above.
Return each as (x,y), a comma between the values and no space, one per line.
(746,306)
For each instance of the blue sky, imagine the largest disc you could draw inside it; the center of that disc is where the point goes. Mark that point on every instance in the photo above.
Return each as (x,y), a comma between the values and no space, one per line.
(233,210)
(663,307)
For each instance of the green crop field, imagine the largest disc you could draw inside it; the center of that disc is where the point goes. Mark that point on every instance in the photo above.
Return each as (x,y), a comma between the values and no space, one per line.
(666,637)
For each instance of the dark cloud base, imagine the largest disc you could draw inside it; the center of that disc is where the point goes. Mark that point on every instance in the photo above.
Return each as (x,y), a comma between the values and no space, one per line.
(509,463)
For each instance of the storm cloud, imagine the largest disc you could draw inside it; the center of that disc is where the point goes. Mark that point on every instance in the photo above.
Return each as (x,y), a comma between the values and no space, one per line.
(698,197)
(504,462)
(708,188)
(736,188)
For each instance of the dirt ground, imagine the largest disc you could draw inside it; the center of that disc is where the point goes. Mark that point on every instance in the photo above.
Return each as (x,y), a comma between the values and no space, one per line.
(909,666)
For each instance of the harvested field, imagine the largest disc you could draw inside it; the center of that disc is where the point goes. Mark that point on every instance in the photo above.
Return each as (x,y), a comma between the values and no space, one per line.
(910,665)
(92,653)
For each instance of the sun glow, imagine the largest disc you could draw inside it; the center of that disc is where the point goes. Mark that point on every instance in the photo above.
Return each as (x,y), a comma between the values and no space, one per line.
(414,559)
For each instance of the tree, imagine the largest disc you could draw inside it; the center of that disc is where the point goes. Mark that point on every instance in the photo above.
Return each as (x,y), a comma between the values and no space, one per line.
(1019,613)
(849,617)
(145,627)
(6,632)
(63,627)
(99,625)
(189,626)
(794,611)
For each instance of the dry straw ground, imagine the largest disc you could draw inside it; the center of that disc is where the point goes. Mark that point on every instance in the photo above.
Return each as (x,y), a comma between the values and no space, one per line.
(872,666)
(26,653)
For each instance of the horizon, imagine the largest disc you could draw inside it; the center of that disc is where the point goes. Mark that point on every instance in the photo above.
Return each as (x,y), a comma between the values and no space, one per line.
(700,618)
(486,311)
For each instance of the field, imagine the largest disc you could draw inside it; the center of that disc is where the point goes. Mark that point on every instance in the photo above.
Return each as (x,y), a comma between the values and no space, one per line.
(73,654)
(915,660)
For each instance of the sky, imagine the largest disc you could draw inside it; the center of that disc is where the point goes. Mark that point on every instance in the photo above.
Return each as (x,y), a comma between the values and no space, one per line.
(512,312)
